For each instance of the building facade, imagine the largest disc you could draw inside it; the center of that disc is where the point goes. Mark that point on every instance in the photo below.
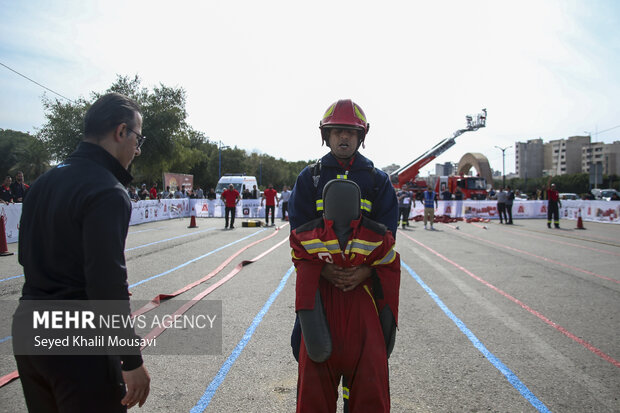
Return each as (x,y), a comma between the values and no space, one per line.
(608,155)
(529,159)
(574,155)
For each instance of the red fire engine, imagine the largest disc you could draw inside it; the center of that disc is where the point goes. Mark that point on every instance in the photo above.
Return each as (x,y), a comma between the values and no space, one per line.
(472,187)
(409,172)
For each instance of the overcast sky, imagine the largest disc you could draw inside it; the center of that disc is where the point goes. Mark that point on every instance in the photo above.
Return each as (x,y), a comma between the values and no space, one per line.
(259,75)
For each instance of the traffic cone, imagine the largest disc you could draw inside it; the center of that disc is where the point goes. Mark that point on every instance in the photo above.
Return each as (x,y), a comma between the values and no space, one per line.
(579,221)
(4,250)
(192,221)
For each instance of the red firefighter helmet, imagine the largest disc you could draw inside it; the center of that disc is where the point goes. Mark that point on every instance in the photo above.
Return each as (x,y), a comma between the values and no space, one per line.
(344,114)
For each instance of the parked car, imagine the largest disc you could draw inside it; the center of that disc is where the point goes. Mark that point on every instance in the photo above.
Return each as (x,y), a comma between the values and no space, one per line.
(608,194)
(569,195)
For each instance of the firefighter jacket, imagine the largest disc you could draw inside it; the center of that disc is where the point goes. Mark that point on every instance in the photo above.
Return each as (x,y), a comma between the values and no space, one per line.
(379,201)
(315,243)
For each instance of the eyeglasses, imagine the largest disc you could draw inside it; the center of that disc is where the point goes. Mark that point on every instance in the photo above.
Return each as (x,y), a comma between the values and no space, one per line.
(140,140)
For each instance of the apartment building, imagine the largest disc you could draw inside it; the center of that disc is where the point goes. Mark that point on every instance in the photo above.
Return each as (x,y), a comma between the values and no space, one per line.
(529,158)
(445,169)
(565,156)
(608,155)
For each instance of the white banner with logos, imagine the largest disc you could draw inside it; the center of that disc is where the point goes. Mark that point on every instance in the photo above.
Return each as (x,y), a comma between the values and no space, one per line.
(11,214)
(597,211)
(157,210)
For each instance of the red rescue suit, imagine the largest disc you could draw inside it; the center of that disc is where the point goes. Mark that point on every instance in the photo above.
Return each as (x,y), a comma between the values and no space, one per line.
(359,349)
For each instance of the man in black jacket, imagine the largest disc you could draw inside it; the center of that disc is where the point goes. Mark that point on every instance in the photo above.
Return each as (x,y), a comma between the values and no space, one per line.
(71,244)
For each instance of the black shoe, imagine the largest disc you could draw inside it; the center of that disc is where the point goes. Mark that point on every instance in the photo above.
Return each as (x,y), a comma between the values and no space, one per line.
(549,226)
(557,227)
(226,227)
(232,227)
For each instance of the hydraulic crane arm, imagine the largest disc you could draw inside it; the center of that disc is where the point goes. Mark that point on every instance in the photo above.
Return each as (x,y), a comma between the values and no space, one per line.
(411,170)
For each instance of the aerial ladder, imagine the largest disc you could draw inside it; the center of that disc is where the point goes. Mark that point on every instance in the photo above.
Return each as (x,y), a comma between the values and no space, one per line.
(410,171)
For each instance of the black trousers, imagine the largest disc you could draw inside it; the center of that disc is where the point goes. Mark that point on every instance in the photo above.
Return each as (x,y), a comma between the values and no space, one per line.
(284,209)
(553,212)
(509,212)
(273,213)
(403,212)
(501,209)
(232,211)
(68,384)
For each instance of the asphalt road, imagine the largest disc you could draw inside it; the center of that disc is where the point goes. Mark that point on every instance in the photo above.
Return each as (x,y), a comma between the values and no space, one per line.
(493,318)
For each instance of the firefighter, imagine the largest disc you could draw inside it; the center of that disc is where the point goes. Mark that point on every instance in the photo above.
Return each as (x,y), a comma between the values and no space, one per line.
(343,129)
(553,198)
(346,332)
(405,198)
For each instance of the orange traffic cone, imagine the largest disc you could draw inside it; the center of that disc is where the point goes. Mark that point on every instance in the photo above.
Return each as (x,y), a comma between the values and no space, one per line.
(192,221)
(579,221)
(4,250)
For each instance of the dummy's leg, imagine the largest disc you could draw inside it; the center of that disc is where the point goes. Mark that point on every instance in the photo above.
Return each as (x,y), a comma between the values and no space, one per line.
(317,385)
(367,380)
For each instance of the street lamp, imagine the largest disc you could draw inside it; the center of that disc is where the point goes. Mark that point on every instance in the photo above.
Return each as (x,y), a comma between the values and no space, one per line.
(219,154)
(503,164)
(592,167)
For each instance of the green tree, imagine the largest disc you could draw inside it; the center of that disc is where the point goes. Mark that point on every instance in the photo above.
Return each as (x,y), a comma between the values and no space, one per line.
(22,152)
(164,126)
(171,144)
(33,159)
(64,127)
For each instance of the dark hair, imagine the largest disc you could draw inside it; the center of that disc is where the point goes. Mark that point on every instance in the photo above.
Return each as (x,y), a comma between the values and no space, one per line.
(108,112)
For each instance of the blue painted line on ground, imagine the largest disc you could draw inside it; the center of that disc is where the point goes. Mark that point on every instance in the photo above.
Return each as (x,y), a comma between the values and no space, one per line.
(11,278)
(7,338)
(143,230)
(193,260)
(134,248)
(221,374)
(167,272)
(496,362)
(169,239)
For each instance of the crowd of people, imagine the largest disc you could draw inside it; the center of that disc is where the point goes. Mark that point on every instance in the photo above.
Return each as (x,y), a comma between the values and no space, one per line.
(143,193)
(14,191)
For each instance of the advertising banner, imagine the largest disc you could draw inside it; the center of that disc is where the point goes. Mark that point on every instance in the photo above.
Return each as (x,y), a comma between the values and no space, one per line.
(10,214)
(157,210)
(175,181)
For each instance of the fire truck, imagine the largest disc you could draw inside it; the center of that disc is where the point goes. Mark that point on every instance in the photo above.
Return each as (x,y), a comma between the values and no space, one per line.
(472,187)
(409,172)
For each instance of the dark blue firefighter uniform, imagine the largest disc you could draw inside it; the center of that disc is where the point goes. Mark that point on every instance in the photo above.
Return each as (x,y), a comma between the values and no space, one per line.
(379,201)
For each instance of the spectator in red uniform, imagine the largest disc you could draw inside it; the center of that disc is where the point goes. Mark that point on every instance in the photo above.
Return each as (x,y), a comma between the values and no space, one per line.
(6,195)
(153,192)
(553,204)
(271,195)
(231,198)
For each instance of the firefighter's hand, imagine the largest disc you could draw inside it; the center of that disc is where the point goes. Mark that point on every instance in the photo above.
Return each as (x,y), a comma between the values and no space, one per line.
(355,276)
(334,274)
(138,385)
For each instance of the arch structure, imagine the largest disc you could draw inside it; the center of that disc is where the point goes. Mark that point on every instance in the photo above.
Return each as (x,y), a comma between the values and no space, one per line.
(479,162)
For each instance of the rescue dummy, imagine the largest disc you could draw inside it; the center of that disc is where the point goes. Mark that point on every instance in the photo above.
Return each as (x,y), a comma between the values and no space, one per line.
(345,334)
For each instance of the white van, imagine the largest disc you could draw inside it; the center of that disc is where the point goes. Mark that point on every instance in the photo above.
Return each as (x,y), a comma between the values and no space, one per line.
(240,182)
